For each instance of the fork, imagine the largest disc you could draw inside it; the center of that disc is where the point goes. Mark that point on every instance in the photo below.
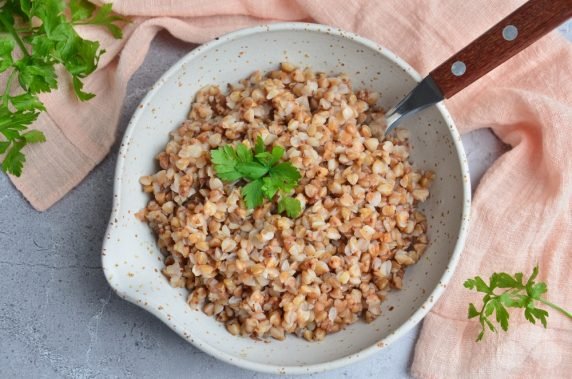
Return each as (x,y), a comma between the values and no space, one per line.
(513,34)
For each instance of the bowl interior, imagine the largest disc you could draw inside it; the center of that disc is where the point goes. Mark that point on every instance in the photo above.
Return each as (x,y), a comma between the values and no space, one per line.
(132,262)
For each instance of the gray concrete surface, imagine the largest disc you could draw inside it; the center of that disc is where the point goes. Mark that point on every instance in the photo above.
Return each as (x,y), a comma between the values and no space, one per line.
(60,319)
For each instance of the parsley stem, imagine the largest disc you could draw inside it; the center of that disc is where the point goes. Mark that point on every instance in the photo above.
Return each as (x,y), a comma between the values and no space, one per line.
(8,88)
(10,28)
(25,30)
(88,22)
(556,307)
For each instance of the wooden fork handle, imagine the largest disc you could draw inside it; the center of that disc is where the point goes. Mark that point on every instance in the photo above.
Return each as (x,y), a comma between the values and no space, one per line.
(504,40)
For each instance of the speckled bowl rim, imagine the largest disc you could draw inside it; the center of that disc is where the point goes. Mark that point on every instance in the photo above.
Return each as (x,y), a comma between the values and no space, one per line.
(352,358)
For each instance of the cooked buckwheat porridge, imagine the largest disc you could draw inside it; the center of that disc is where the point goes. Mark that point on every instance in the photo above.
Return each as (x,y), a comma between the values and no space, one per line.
(264,274)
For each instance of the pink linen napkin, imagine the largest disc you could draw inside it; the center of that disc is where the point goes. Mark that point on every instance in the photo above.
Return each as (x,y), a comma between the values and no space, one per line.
(522,210)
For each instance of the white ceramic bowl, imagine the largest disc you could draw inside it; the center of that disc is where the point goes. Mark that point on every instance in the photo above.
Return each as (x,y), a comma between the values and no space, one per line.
(132,262)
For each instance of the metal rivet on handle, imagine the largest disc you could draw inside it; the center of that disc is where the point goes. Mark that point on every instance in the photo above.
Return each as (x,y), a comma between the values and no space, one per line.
(458,68)
(510,32)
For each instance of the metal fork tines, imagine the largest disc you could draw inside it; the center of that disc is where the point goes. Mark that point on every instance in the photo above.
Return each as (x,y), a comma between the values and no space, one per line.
(425,94)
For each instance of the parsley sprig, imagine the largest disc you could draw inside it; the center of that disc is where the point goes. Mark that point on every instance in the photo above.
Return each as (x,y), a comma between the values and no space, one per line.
(516,294)
(35,37)
(265,174)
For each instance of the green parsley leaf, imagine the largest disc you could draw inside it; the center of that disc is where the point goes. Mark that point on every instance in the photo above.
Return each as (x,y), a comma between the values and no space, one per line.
(81,9)
(264,158)
(6,48)
(481,286)
(270,187)
(516,294)
(252,193)
(27,102)
(227,174)
(243,153)
(469,283)
(30,52)
(105,17)
(502,315)
(42,46)
(490,308)
(537,289)
(287,171)
(77,87)
(285,176)
(79,57)
(503,280)
(259,147)
(512,301)
(15,121)
(473,311)
(4,145)
(518,278)
(251,170)
(14,159)
(276,182)
(224,161)
(292,207)
(65,43)
(532,276)
(34,136)
(541,315)
(26,8)
(270,159)
(230,152)
(221,156)
(277,153)
(50,12)
(35,76)
(266,176)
